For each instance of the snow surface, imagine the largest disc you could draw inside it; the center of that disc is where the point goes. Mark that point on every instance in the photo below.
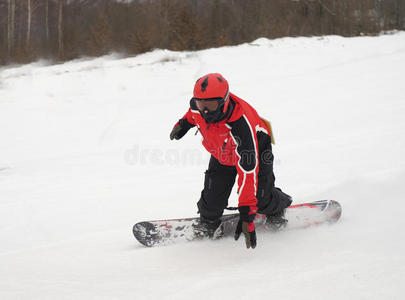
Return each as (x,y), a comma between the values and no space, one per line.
(85,153)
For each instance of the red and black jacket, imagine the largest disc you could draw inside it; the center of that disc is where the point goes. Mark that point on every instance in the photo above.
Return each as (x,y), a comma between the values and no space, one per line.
(233,141)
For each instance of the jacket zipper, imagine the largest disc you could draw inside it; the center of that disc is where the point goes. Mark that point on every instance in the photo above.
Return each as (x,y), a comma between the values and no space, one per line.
(224,145)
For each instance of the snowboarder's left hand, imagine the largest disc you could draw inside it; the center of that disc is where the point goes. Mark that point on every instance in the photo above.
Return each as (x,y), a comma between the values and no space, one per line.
(247,226)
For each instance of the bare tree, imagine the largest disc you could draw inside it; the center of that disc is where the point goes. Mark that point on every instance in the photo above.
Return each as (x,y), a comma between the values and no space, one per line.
(29,14)
(10,26)
(47,20)
(60,28)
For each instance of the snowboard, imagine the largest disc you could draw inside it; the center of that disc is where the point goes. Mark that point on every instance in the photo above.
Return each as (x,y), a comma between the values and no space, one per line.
(165,232)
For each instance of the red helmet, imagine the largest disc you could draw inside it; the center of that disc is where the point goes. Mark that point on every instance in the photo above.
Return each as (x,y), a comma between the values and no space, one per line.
(212,86)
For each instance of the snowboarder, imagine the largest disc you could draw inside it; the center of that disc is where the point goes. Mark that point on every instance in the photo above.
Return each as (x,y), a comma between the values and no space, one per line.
(239,142)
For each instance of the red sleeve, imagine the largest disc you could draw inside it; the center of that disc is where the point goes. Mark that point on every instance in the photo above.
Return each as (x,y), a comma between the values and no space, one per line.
(188,117)
(248,161)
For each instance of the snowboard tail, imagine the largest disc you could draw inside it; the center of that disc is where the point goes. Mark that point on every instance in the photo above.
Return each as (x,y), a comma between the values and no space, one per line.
(164,232)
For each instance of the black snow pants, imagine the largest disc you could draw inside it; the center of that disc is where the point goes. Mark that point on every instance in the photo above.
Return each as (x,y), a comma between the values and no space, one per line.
(219,181)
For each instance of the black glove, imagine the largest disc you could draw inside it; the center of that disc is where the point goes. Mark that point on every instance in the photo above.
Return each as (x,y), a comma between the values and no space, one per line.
(180,129)
(247,226)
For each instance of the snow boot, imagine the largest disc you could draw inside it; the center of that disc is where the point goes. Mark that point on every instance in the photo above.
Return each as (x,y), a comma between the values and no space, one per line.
(275,219)
(276,222)
(208,228)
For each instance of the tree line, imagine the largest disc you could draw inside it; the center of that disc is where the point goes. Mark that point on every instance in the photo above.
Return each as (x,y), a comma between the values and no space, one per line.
(67,29)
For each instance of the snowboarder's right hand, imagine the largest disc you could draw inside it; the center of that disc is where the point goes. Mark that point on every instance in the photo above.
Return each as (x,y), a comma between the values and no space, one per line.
(247,226)
(180,129)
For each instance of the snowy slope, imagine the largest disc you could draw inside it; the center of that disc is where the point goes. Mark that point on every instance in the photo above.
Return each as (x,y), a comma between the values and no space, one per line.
(85,153)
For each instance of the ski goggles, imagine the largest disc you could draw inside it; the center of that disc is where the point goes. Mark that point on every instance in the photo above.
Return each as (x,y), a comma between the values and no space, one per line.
(207,104)
(211,104)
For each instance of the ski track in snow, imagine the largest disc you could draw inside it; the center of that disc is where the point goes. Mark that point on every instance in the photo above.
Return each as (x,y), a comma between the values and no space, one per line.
(85,153)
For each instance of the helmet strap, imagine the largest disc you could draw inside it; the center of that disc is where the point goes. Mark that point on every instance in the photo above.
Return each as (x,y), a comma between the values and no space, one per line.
(226,102)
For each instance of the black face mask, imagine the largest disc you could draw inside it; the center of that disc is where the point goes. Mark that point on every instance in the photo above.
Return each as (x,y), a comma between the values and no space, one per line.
(211,116)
